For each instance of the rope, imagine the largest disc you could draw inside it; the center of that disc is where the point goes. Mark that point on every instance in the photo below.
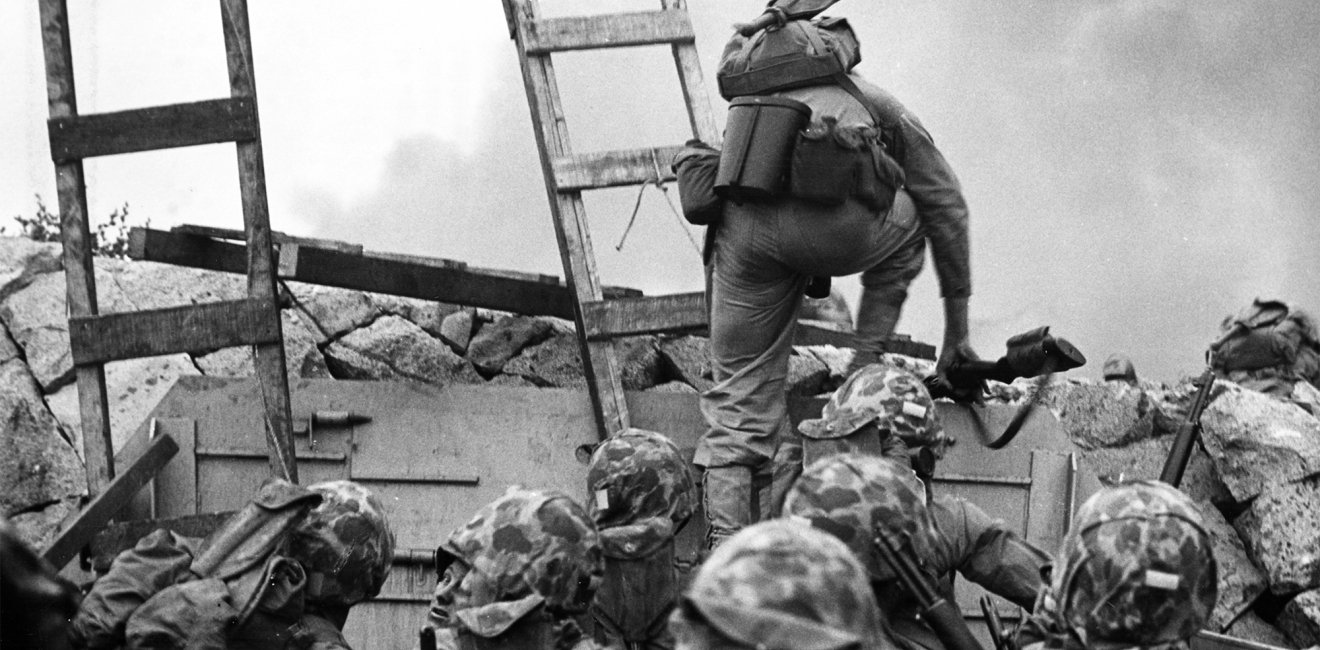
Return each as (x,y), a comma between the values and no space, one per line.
(637,204)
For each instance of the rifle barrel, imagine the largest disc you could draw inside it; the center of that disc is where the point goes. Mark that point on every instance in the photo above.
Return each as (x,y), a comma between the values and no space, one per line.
(1188,431)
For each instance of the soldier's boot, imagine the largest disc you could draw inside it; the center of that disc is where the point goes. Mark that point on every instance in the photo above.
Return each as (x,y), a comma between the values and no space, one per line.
(727,499)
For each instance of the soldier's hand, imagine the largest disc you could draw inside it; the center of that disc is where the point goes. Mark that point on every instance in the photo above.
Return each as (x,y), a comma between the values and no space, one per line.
(942,385)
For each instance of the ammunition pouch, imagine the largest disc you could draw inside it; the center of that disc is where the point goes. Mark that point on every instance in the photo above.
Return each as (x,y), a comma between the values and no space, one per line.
(831,164)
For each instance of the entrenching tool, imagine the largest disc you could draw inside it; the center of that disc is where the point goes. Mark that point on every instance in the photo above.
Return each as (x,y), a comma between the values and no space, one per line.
(778,12)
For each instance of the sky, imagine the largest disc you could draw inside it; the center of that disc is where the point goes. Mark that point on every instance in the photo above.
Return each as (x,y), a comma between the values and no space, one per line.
(1136,170)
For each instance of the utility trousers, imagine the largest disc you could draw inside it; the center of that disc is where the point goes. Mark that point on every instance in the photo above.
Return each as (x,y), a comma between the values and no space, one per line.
(763,256)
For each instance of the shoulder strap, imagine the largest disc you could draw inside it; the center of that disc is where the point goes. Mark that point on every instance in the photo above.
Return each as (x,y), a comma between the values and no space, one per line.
(847,84)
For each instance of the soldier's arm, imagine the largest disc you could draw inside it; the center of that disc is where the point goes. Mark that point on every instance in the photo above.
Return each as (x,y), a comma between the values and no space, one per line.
(989,554)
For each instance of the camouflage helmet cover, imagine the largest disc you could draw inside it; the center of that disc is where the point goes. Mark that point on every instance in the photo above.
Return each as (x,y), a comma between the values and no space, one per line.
(345,544)
(893,398)
(782,584)
(1137,567)
(523,549)
(639,492)
(853,496)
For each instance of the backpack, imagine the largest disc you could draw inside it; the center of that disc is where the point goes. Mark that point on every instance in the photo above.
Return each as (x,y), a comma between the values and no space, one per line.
(1269,335)
(827,163)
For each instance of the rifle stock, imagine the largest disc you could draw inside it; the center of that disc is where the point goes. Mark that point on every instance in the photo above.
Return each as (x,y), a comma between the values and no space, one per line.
(942,615)
(1188,432)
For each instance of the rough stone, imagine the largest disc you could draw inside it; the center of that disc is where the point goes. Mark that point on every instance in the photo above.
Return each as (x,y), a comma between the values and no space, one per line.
(37,465)
(1145,458)
(1282,534)
(133,388)
(807,375)
(334,312)
(23,260)
(553,362)
(37,317)
(1099,415)
(396,348)
(639,362)
(1300,619)
(456,330)
(833,309)
(427,314)
(836,359)
(1253,628)
(674,386)
(496,343)
(1240,582)
(38,527)
(511,380)
(687,359)
(919,367)
(302,357)
(1256,440)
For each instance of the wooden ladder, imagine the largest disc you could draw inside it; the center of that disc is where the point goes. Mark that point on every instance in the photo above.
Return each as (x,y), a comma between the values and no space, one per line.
(567,175)
(95,339)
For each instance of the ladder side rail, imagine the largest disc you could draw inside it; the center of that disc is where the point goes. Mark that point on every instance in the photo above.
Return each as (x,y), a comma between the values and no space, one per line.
(268,358)
(599,358)
(75,235)
(700,113)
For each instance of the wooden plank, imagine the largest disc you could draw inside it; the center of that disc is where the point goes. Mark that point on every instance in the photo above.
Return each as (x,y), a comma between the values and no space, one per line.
(613,168)
(121,536)
(1207,640)
(188,328)
(79,277)
(174,489)
(608,30)
(117,494)
(807,333)
(276,236)
(147,129)
(268,358)
(680,312)
(1048,508)
(512,291)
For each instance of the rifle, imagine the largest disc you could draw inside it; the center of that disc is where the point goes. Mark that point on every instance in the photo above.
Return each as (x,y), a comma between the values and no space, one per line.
(1001,638)
(1034,353)
(1189,431)
(943,617)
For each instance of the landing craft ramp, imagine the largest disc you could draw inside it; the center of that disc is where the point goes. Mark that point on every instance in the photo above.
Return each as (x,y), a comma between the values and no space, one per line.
(435,455)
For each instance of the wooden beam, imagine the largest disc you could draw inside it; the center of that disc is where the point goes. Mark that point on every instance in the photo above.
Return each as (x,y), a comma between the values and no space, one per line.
(275,235)
(117,494)
(613,168)
(267,358)
(521,293)
(614,30)
(145,129)
(190,328)
(75,235)
(680,312)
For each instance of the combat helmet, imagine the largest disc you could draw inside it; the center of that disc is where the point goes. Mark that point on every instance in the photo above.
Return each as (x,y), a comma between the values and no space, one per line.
(345,545)
(781,584)
(892,398)
(639,492)
(1136,568)
(526,549)
(853,496)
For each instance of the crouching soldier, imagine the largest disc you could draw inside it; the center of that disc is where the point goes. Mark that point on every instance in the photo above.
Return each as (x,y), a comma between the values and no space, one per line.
(516,574)
(640,494)
(780,585)
(281,573)
(856,497)
(1135,570)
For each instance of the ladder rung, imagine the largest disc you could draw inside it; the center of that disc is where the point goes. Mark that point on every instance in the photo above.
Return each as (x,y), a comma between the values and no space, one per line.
(613,168)
(614,30)
(679,312)
(146,129)
(149,333)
